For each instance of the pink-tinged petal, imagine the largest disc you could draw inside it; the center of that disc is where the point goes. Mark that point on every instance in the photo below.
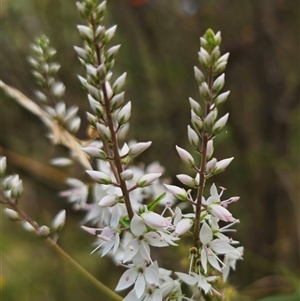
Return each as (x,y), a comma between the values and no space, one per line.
(206,234)
(127,279)
(155,220)
(154,239)
(221,213)
(92,231)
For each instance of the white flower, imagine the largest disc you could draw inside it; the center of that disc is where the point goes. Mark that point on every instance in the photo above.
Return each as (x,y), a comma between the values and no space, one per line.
(183,226)
(140,274)
(194,278)
(230,261)
(77,194)
(211,248)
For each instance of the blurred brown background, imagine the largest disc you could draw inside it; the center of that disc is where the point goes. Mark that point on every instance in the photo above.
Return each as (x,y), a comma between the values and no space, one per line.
(160,40)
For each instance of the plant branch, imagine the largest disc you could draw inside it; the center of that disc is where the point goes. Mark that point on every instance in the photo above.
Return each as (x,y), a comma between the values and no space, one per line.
(25,217)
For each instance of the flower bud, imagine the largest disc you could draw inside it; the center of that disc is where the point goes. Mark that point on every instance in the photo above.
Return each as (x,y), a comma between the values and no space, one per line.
(126,174)
(61,161)
(81,53)
(85,32)
(83,81)
(17,190)
(204,57)
(108,201)
(58,89)
(204,92)
(112,52)
(196,122)
(183,226)
(199,76)
(70,113)
(195,106)
(99,176)
(148,179)
(91,119)
(103,131)
(44,231)
(187,180)
(210,166)
(119,83)
(95,152)
(74,124)
(221,98)
(209,149)
(12,214)
(3,165)
(101,72)
(109,34)
(185,156)
(91,71)
(155,220)
(138,148)
(215,54)
(220,124)
(177,192)
(210,120)
(59,220)
(221,165)
(99,33)
(117,101)
(219,83)
(124,114)
(193,138)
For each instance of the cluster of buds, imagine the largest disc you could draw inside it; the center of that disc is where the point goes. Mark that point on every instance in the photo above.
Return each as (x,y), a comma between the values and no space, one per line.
(52,91)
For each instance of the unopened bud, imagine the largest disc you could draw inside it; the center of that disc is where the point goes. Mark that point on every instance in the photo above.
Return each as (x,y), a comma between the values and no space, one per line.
(138,148)
(187,180)
(210,166)
(124,114)
(199,76)
(219,83)
(195,106)
(177,192)
(12,214)
(220,124)
(85,32)
(109,34)
(193,138)
(126,174)
(44,231)
(210,120)
(185,156)
(108,201)
(99,176)
(59,220)
(221,165)
(221,98)
(119,83)
(3,166)
(147,179)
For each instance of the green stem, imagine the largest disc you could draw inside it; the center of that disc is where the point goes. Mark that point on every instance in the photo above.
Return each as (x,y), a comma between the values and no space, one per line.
(25,217)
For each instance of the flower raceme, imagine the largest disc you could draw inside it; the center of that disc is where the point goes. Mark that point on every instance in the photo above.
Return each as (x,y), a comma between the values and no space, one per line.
(124,197)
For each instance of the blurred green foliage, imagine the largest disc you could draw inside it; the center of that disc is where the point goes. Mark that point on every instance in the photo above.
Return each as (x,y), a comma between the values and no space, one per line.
(160,40)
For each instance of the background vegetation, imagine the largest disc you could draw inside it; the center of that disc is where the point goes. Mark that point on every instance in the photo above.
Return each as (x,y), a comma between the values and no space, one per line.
(160,40)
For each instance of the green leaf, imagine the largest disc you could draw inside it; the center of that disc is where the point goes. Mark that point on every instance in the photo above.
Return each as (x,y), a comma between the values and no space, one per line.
(153,204)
